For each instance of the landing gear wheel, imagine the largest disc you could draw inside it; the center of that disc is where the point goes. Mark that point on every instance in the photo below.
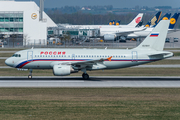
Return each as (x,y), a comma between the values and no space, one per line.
(85,76)
(29,76)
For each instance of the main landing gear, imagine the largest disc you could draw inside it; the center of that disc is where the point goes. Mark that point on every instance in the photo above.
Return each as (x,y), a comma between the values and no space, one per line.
(30,74)
(85,76)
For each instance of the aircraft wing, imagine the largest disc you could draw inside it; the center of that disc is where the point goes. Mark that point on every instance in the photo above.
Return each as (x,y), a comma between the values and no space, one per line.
(89,62)
(129,32)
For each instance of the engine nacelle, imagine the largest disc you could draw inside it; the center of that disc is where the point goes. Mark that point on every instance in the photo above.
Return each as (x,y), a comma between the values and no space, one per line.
(109,36)
(62,70)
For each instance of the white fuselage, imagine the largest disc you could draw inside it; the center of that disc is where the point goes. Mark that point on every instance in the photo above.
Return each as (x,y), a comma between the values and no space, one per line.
(47,58)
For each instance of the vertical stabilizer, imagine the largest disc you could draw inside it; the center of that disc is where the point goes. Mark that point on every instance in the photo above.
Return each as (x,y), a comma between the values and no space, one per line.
(156,39)
(173,20)
(154,20)
(136,20)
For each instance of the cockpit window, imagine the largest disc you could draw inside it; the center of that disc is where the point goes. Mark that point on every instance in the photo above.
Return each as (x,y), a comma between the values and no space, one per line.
(16,55)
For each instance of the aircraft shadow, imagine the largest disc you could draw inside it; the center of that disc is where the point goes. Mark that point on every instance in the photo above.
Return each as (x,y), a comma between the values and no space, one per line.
(90,79)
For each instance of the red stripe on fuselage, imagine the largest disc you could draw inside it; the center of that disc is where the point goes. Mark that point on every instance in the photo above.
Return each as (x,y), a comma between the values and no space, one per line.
(24,64)
(80,61)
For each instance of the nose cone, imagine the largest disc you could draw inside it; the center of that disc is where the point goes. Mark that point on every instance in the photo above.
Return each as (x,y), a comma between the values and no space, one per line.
(9,62)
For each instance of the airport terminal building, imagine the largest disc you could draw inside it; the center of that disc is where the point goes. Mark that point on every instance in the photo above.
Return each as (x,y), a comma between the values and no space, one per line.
(22,20)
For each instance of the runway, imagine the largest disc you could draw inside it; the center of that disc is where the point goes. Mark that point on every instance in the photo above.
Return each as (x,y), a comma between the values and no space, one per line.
(93,82)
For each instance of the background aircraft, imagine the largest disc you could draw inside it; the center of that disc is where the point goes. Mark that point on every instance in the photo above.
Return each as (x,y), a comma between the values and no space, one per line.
(67,61)
(133,23)
(116,33)
(144,33)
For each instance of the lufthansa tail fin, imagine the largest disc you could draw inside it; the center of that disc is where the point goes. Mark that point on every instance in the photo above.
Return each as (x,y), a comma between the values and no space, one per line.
(114,22)
(166,16)
(110,23)
(173,20)
(154,20)
(136,20)
(156,39)
(118,23)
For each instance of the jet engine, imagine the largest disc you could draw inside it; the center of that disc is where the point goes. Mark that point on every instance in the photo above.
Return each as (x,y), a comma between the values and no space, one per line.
(109,37)
(62,70)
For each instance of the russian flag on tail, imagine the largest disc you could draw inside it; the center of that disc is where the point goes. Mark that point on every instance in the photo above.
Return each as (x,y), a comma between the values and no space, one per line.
(154,35)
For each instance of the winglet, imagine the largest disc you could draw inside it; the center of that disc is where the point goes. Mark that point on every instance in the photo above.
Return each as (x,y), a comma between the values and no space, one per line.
(109,58)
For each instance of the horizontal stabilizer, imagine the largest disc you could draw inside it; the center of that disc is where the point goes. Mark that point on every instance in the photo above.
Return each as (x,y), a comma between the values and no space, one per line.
(159,54)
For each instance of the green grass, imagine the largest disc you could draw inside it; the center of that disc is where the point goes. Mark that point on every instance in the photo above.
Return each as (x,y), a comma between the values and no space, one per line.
(177,54)
(89,103)
(6,54)
(9,49)
(2,62)
(114,72)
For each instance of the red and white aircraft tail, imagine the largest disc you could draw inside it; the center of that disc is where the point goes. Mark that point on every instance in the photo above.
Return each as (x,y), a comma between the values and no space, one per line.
(136,20)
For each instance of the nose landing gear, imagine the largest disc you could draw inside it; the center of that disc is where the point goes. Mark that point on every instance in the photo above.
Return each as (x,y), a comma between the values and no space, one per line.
(30,74)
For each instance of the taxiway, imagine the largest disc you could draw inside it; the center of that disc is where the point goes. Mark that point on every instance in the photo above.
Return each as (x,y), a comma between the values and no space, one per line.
(93,82)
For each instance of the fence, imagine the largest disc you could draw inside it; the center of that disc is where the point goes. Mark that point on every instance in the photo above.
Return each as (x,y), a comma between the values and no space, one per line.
(18,43)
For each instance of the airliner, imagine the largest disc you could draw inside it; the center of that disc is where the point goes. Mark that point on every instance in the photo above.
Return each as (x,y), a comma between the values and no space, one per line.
(133,23)
(66,61)
(112,33)
(144,33)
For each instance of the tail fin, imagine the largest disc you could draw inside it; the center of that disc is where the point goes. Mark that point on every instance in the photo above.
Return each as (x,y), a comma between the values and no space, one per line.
(110,23)
(139,24)
(136,20)
(114,22)
(173,20)
(165,17)
(156,39)
(118,23)
(154,20)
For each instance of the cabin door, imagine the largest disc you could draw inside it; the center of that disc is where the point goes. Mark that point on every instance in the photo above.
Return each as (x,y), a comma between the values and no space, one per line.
(73,56)
(30,55)
(134,56)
